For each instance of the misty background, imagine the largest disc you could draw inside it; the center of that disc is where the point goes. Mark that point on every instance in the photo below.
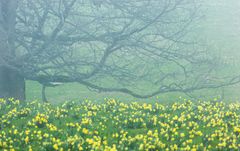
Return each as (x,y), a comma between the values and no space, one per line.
(128,50)
(218,29)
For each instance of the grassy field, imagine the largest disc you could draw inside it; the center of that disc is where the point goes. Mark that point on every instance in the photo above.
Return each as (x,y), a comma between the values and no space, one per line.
(79,119)
(113,125)
(74,91)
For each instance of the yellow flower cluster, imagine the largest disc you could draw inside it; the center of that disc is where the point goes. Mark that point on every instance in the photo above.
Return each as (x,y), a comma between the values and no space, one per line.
(113,125)
(40,120)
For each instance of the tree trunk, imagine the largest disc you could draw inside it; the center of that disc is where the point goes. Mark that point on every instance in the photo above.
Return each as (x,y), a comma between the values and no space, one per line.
(12,84)
(44,98)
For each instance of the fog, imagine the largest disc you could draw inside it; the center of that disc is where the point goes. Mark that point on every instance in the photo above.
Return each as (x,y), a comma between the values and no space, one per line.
(221,26)
(138,49)
(109,75)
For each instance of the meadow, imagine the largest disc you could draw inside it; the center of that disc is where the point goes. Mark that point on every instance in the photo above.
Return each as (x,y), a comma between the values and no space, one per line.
(75,91)
(108,39)
(113,125)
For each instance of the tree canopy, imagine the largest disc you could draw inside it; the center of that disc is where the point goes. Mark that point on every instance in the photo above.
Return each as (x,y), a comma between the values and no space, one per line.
(111,45)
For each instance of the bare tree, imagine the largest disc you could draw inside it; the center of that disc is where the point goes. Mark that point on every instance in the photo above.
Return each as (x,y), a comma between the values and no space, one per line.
(111,45)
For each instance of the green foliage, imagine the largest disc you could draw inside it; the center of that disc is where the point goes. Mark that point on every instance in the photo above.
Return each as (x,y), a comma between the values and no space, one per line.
(114,125)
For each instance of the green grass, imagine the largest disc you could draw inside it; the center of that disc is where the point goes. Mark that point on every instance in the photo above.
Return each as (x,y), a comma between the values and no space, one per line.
(113,125)
(75,91)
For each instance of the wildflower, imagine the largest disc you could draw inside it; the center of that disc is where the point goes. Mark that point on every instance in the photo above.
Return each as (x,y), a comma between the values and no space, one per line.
(182,135)
(85,131)
(26,139)
(55,146)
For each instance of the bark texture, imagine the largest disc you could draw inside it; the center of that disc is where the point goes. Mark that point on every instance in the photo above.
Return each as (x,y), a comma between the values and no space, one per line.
(12,84)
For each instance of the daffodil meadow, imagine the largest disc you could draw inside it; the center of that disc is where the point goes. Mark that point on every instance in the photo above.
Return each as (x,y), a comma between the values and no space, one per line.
(114,125)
